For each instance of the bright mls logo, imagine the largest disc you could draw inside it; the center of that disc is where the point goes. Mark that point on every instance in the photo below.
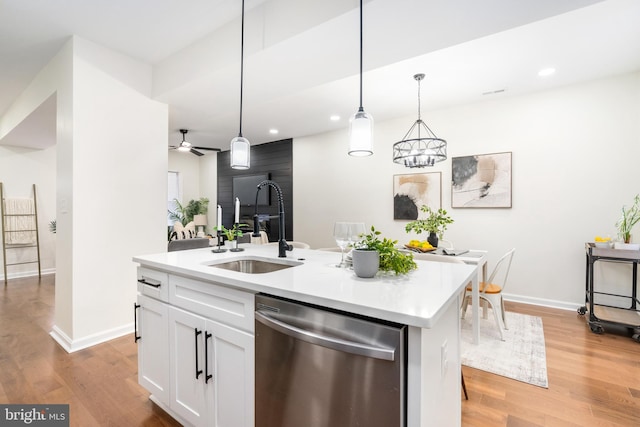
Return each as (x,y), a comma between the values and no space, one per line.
(34,415)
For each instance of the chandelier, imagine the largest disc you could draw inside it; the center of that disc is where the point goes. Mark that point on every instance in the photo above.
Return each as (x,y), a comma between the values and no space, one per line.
(420,147)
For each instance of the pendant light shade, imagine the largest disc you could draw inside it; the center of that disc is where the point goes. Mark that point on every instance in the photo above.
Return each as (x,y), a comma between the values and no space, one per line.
(361,123)
(420,147)
(360,134)
(240,148)
(240,153)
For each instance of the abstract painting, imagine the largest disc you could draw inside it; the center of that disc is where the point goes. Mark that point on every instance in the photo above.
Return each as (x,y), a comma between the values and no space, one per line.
(412,191)
(481,181)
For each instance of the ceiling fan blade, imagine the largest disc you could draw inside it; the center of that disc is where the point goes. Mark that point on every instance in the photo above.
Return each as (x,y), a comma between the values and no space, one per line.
(197,153)
(208,148)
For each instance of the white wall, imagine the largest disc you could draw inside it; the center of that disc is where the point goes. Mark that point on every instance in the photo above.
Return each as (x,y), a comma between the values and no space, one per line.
(119,187)
(575,153)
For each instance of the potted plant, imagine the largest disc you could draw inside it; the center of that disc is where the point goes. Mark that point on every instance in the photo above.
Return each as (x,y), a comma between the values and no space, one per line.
(185,214)
(371,253)
(435,224)
(232,233)
(628,219)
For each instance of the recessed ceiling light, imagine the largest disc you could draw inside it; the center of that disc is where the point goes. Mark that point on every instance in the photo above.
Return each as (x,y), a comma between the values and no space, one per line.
(334,118)
(546,72)
(273,131)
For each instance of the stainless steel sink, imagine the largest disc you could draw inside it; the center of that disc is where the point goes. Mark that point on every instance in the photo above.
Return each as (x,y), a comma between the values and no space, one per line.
(255,265)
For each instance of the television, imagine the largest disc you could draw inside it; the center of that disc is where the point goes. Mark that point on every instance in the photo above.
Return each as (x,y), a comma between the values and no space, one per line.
(245,187)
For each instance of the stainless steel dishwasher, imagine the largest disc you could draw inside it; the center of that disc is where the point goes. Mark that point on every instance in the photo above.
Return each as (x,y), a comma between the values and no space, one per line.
(321,368)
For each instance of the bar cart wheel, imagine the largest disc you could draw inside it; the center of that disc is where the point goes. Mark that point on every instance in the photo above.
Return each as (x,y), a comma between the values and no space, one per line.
(582,310)
(636,337)
(596,328)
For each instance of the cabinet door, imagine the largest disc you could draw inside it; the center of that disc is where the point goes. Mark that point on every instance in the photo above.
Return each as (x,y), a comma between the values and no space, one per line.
(153,347)
(233,376)
(190,393)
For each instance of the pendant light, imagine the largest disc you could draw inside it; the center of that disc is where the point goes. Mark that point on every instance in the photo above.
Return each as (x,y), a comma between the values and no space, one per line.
(240,148)
(361,123)
(423,148)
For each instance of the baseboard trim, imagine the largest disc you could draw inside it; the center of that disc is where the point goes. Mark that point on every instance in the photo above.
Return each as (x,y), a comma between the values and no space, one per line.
(562,305)
(70,345)
(24,274)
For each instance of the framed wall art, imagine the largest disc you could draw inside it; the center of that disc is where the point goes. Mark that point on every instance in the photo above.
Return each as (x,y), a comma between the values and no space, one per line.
(481,181)
(411,191)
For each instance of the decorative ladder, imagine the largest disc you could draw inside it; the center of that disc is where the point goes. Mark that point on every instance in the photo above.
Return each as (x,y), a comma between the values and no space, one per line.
(7,231)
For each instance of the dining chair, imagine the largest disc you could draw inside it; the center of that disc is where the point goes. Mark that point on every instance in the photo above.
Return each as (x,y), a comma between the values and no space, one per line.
(491,291)
(262,240)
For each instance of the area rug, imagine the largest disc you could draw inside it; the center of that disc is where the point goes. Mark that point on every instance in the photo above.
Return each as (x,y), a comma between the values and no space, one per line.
(521,356)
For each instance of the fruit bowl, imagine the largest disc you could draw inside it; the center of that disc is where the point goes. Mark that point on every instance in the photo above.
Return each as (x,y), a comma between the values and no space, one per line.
(420,246)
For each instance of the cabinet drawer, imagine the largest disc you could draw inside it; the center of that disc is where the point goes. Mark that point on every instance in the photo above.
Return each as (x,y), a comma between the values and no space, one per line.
(153,283)
(216,302)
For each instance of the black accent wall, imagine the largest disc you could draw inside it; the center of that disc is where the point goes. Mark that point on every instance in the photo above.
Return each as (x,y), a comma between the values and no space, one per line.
(274,158)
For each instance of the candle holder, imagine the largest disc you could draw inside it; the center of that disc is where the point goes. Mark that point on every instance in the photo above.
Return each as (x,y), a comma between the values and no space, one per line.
(219,250)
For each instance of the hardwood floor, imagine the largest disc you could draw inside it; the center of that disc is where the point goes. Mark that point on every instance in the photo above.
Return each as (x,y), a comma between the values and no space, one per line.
(100,383)
(594,380)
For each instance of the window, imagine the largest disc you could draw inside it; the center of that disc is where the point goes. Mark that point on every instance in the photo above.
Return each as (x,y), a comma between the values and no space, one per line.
(173,193)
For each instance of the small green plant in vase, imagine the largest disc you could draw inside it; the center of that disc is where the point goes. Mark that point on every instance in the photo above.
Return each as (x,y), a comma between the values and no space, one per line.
(630,217)
(435,224)
(232,233)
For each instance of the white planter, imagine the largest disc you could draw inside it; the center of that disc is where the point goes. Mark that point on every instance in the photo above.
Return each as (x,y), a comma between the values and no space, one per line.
(627,246)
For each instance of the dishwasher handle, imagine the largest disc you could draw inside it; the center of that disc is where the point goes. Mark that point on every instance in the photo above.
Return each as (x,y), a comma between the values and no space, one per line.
(325,341)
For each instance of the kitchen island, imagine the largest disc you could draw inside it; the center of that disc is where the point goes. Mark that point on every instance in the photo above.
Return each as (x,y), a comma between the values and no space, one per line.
(185,283)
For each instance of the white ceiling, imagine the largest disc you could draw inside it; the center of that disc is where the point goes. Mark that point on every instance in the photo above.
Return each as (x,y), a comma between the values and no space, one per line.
(301,56)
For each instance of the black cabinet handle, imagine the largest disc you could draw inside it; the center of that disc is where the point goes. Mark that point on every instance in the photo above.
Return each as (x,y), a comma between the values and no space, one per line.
(198,371)
(144,282)
(207,375)
(135,322)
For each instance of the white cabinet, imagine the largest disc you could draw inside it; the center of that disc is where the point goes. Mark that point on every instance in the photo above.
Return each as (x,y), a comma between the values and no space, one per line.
(152,336)
(190,389)
(202,369)
(233,376)
(211,371)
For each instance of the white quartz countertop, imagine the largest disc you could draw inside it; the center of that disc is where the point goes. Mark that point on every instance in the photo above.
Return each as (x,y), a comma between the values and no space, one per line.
(416,299)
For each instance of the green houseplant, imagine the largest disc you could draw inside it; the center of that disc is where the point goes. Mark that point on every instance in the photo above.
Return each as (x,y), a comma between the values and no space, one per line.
(435,224)
(185,214)
(628,219)
(232,233)
(389,257)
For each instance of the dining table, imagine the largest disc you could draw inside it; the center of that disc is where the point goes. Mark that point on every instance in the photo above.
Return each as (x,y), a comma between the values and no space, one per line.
(476,257)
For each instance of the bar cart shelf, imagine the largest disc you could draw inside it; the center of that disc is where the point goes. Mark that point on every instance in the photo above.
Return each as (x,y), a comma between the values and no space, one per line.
(603,315)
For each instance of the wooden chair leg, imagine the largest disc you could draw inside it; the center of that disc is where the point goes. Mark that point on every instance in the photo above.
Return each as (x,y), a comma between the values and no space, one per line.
(464,387)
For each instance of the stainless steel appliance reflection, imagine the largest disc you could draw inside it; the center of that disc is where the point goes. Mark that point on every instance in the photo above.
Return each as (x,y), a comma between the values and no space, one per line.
(319,368)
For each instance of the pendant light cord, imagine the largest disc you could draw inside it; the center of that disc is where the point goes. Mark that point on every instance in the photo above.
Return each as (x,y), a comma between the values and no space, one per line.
(419,116)
(361,109)
(241,66)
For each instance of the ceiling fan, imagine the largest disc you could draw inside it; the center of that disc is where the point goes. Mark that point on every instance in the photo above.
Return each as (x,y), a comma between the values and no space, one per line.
(186,146)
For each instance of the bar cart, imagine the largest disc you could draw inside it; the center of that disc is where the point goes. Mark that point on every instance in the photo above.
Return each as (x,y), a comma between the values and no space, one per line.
(601,315)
